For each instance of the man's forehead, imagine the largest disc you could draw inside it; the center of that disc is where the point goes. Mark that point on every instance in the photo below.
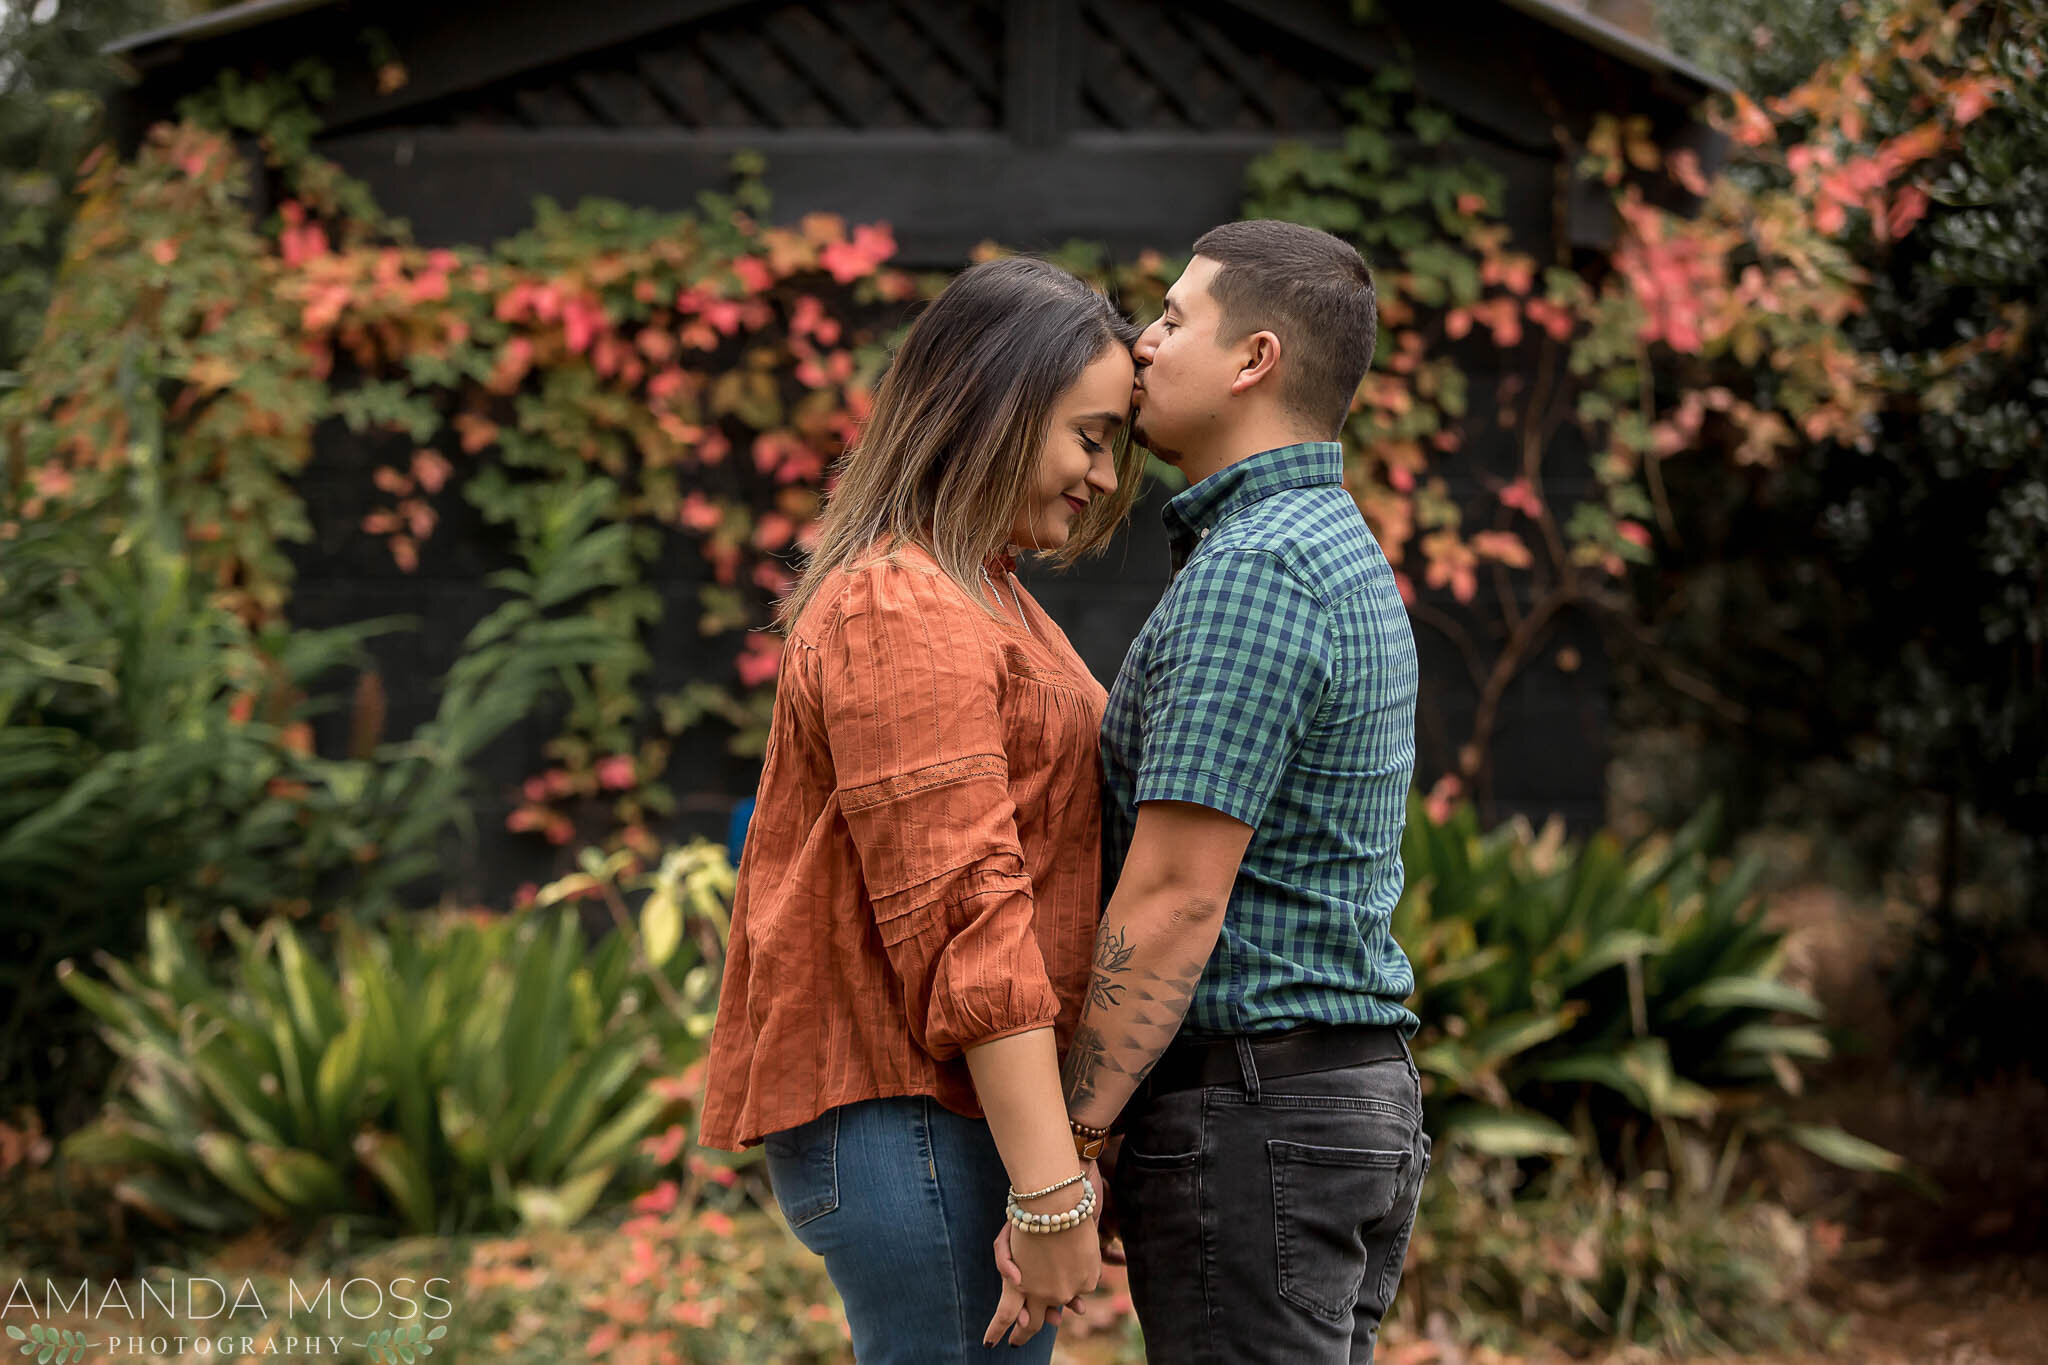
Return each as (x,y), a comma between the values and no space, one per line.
(1193,284)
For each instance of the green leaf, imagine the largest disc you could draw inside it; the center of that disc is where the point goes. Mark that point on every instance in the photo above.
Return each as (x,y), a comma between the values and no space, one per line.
(1791,1040)
(661,926)
(563,1205)
(1750,992)
(1508,1135)
(1844,1149)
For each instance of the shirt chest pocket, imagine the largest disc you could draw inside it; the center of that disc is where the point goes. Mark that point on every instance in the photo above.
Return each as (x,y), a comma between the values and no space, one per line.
(919,834)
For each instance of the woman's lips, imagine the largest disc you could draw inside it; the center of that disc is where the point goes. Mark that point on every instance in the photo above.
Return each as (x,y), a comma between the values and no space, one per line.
(1078,504)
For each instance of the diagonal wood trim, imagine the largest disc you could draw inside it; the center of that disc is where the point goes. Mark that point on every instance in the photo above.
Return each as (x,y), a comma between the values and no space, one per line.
(737,72)
(823,80)
(904,79)
(977,66)
(1244,73)
(450,47)
(1142,51)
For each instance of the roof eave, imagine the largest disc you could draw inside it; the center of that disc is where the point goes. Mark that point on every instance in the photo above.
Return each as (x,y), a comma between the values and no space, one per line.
(1619,42)
(229,20)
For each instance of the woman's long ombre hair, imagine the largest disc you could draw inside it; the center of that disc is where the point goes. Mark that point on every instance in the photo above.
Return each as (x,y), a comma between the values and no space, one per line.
(949,451)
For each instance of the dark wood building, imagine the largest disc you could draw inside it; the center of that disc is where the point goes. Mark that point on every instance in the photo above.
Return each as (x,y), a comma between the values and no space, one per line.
(1030,122)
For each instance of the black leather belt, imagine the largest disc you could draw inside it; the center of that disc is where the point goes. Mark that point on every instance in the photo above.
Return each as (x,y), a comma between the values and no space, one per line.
(1214,1060)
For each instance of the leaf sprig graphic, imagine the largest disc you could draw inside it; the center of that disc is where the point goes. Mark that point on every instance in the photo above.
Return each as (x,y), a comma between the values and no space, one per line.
(57,1344)
(401,1344)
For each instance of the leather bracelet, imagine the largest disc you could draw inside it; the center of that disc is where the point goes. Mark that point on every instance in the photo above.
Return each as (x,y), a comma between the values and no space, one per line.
(1088,1141)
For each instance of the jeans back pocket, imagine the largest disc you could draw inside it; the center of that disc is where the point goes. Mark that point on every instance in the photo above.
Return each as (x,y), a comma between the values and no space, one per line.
(803,1169)
(1327,1203)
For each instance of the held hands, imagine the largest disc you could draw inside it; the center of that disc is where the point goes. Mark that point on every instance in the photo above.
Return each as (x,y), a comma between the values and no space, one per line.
(1044,1273)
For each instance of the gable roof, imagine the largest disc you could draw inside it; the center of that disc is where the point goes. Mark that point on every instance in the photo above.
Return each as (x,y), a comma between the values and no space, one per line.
(1567,18)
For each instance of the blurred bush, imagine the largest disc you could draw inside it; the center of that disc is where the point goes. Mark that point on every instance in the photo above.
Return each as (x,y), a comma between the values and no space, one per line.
(457,1072)
(155,746)
(1583,1258)
(1877,608)
(1581,1000)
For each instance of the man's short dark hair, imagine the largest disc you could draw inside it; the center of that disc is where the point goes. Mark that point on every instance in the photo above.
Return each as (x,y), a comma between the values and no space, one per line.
(1311,290)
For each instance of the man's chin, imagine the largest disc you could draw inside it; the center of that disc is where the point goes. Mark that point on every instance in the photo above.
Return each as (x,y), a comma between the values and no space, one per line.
(1144,438)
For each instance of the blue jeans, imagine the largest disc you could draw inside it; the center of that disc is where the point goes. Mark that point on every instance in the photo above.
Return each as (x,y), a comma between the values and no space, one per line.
(903,1199)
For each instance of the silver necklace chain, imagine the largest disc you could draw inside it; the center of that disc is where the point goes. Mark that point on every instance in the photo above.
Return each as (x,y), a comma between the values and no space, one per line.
(1018,604)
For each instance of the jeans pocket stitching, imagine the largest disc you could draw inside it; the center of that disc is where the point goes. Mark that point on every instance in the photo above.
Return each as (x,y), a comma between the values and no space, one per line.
(827,1200)
(1281,1157)
(1156,1162)
(1397,1250)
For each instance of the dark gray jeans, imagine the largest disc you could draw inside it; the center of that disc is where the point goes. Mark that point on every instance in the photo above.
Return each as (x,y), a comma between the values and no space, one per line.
(1267,1220)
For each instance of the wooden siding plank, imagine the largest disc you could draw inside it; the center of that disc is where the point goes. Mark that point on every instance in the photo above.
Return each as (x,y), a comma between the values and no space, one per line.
(1041,66)
(943,193)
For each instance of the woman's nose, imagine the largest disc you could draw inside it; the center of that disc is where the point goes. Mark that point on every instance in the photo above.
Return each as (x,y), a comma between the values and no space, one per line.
(1102,474)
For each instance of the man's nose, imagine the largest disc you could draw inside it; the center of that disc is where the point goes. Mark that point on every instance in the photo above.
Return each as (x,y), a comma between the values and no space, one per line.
(1147,343)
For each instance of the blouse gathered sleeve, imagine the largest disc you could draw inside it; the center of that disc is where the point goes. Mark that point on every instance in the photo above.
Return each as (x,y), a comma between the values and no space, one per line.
(909,690)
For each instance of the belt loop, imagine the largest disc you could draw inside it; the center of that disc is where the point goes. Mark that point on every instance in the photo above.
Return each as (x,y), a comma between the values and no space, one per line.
(1249,1067)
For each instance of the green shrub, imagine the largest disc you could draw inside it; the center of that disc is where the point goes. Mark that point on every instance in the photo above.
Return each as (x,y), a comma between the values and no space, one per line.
(1599,989)
(154,746)
(1583,1258)
(460,1071)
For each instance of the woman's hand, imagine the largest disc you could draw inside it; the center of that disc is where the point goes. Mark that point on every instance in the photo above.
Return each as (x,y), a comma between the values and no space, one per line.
(1054,1270)
(1042,1274)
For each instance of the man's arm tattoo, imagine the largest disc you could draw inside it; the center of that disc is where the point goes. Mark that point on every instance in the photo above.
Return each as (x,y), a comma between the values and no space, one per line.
(1142,1005)
(1112,960)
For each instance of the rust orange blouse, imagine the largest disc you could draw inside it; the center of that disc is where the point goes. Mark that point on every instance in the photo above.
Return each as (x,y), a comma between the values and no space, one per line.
(923,869)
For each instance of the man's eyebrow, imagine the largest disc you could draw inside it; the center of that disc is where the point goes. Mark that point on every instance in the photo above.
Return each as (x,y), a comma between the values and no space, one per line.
(1172,304)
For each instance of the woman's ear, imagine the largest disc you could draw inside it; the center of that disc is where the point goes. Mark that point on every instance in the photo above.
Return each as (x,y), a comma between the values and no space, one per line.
(1259,355)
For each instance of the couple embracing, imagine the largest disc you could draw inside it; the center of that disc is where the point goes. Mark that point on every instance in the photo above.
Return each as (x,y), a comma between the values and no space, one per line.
(1011,957)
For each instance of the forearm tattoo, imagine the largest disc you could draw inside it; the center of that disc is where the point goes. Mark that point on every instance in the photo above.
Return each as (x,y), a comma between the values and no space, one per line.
(1112,959)
(1135,1007)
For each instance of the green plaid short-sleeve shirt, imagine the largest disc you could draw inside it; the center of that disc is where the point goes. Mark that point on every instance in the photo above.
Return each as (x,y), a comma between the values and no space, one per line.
(1275,682)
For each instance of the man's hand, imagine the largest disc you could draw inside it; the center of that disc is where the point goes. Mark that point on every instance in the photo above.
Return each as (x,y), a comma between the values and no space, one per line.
(1107,1229)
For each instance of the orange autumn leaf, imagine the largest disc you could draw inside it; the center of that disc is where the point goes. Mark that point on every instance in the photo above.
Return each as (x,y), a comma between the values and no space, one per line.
(1504,547)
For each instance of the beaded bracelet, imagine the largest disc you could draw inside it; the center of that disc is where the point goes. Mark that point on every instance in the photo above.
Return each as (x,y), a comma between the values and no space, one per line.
(1073,1179)
(1052,1222)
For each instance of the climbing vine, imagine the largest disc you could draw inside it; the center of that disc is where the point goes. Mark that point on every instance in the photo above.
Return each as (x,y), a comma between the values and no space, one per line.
(712,365)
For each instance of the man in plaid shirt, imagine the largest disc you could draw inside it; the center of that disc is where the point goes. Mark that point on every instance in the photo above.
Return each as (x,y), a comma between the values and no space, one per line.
(1246,1016)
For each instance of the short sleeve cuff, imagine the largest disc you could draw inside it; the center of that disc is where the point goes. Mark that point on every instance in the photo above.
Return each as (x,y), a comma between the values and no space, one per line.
(1209,790)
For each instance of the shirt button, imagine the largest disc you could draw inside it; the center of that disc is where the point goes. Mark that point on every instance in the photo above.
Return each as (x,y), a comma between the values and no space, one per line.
(1202,534)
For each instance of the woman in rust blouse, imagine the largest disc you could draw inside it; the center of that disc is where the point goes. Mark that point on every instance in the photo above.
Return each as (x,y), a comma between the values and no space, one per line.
(912,934)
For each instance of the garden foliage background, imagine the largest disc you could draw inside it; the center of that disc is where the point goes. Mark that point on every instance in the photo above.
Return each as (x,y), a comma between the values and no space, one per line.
(1811,380)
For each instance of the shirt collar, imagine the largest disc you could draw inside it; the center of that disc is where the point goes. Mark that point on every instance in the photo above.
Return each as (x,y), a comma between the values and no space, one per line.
(1201,506)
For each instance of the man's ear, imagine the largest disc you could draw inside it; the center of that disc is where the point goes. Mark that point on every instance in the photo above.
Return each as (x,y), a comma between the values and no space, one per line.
(1259,355)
